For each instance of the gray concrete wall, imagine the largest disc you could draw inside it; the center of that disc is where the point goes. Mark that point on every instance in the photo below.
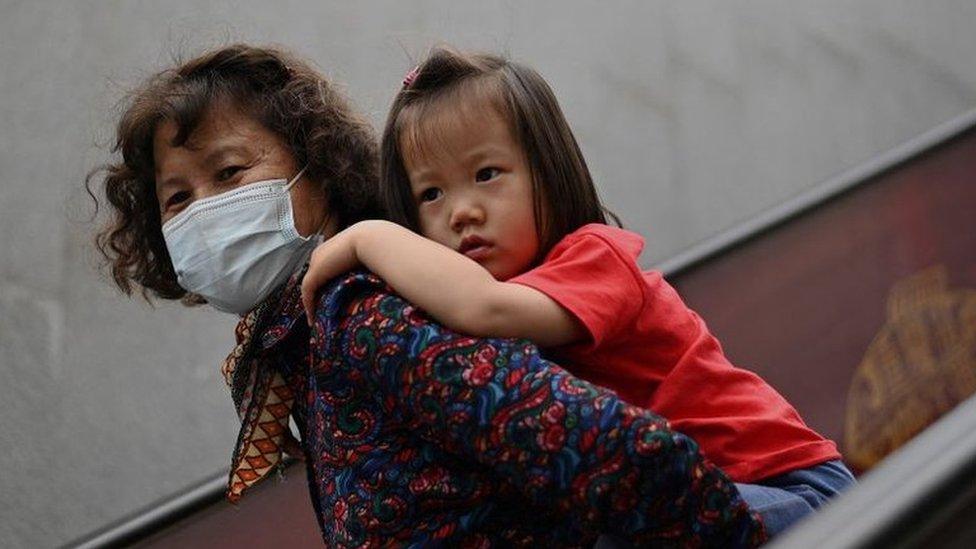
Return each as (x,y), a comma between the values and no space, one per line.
(693,116)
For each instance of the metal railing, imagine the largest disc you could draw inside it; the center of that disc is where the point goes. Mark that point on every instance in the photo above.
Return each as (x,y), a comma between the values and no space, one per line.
(156,516)
(830,189)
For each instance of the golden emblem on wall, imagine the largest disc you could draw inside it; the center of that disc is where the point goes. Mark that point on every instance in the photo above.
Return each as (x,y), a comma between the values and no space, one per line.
(918,367)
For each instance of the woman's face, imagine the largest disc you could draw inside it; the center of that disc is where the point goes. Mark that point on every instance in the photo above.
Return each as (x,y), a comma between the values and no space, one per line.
(229,149)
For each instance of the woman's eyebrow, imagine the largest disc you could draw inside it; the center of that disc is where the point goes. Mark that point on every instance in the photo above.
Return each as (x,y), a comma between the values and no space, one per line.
(212,158)
(163,184)
(224,151)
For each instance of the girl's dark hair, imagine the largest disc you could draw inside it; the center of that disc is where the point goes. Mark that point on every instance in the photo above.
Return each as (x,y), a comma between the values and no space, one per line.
(282,92)
(564,196)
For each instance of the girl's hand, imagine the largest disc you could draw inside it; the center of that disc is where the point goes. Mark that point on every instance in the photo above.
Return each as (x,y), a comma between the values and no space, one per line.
(329,260)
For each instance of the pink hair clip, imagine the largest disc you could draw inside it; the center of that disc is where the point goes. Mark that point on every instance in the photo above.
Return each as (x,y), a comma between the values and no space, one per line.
(411,76)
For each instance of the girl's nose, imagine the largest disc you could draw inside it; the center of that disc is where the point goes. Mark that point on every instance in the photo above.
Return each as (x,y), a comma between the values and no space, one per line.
(466,214)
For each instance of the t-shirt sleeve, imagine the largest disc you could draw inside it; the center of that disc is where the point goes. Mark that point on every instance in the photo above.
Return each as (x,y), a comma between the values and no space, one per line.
(594,275)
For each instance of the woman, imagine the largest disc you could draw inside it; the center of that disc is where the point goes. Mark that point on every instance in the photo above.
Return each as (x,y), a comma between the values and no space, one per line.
(234,165)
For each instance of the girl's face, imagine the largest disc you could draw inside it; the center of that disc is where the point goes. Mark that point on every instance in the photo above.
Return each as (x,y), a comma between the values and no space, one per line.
(473,190)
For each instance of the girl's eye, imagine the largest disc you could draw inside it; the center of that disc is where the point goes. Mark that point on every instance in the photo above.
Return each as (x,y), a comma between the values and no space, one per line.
(176,199)
(430,194)
(228,172)
(486,174)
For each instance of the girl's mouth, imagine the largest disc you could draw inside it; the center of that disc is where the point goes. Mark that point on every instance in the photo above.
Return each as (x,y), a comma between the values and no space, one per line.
(475,247)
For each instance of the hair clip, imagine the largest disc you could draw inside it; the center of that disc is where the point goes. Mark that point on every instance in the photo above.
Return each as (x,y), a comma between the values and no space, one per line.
(411,76)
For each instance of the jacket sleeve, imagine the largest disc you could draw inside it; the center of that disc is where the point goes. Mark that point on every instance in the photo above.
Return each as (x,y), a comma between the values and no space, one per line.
(568,445)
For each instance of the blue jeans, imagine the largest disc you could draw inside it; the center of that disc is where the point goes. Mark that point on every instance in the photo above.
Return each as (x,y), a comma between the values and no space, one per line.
(783,500)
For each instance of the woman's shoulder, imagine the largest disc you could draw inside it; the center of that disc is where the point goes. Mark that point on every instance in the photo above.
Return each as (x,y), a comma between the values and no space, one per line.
(360,297)
(352,289)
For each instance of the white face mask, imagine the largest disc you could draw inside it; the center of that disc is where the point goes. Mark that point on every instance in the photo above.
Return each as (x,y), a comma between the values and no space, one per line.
(235,248)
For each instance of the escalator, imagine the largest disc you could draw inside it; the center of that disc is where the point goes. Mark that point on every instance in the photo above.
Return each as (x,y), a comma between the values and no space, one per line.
(856,300)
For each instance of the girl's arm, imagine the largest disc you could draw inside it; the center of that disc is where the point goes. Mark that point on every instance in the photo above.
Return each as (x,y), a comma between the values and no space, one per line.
(452,288)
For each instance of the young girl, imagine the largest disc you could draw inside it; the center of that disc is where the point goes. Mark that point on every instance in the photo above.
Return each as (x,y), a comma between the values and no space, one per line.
(478,158)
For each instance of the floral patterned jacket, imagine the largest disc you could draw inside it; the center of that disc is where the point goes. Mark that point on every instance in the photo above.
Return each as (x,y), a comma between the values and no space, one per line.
(415,435)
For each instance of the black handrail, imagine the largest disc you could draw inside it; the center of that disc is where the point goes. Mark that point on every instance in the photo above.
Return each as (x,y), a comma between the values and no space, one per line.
(157,515)
(162,513)
(817,195)
(169,510)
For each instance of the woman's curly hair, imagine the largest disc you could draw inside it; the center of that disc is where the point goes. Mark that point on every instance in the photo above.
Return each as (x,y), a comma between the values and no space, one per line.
(285,94)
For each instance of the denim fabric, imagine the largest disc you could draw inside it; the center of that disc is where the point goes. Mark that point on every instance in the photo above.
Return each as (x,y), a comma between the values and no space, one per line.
(785,499)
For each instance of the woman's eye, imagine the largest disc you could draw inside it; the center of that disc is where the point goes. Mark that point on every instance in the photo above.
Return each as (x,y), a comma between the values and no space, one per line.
(486,174)
(177,198)
(228,172)
(430,194)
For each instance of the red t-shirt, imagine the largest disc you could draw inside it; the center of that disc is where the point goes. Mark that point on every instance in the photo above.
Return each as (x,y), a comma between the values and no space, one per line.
(655,352)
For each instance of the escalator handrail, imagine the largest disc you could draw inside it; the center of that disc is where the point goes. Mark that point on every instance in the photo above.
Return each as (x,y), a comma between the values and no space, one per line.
(156,516)
(816,195)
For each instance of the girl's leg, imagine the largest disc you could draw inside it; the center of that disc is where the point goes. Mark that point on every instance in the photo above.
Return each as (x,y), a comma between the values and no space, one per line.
(785,499)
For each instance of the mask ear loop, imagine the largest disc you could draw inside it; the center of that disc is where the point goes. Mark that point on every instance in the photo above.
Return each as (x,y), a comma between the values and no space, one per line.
(320,231)
(295,179)
(325,221)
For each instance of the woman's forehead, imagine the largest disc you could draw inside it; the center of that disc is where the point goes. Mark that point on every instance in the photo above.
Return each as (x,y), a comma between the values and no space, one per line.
(221,121)
(221,128)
